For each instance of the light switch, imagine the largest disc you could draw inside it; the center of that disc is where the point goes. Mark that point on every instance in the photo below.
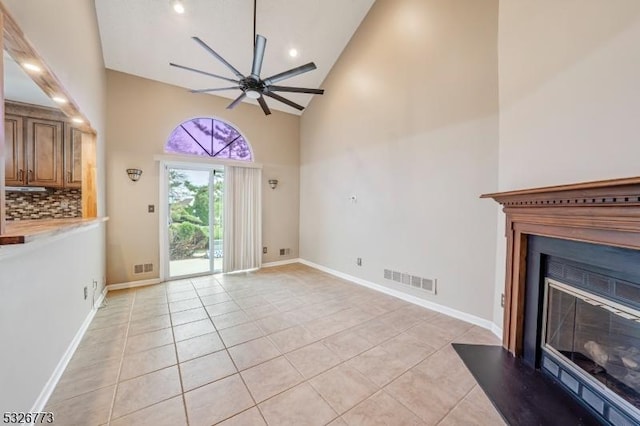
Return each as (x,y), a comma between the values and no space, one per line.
(151,208)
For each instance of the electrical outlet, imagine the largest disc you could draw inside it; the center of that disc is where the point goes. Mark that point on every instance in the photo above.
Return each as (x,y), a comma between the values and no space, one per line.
(264,250)
(359,261)
(502,300)
(86,292)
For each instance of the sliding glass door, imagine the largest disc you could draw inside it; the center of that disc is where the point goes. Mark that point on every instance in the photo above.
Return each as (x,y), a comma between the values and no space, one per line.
(195,220)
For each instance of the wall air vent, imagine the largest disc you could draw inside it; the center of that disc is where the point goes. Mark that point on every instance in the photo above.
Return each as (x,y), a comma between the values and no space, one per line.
(429,285)
(406,279)
(415,281)
(138,269)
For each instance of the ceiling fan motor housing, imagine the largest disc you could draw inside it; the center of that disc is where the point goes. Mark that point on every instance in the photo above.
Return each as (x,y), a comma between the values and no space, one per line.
(251,87)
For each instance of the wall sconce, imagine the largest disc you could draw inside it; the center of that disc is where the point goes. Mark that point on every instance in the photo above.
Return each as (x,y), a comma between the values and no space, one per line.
(134,174)
(273,183)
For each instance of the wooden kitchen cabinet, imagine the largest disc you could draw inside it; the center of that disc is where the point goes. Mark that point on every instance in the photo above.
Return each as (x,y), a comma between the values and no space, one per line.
(14,150)
(41,148)
(44,153)
(72,157)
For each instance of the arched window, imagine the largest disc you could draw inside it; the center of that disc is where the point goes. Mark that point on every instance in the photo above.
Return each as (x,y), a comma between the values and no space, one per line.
(209,137)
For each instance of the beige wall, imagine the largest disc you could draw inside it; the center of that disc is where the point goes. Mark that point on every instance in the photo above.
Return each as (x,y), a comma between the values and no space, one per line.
(140,116)
(409,125)
(42,288)
(569,91)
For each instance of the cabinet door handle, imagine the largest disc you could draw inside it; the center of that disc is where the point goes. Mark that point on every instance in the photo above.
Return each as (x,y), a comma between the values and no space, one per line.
(21,175)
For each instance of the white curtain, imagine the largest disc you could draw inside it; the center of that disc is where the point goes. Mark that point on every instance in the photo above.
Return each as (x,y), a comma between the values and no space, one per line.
(242,240)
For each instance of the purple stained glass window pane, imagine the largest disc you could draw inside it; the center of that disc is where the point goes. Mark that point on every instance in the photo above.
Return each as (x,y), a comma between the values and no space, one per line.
(210,138)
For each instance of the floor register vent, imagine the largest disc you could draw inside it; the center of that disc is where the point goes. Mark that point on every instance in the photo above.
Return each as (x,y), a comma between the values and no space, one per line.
(426,284)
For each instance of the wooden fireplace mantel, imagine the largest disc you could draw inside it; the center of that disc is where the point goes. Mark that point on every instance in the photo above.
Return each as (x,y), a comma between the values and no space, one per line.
(602,212)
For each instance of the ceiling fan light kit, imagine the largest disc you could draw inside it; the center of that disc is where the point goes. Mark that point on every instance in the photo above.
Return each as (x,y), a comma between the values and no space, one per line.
(253,86)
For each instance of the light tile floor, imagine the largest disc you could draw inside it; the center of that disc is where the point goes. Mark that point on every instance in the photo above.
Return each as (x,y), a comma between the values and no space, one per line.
(282,346)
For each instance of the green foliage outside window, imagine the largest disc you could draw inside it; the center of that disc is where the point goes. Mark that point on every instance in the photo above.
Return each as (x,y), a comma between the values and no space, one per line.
(189,210)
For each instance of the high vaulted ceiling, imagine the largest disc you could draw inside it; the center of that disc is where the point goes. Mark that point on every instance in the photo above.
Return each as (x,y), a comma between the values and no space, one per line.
(141,37)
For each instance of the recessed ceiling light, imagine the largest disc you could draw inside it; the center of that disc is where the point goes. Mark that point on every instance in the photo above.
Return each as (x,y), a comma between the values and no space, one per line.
(77,120)
(293,52)
(178,6)
(59,99)
(31,67)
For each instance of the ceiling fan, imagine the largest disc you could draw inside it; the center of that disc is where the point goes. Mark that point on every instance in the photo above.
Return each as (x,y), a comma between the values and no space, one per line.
(252,85)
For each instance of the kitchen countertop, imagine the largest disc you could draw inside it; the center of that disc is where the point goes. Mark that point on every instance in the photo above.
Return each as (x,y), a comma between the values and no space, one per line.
(24,231)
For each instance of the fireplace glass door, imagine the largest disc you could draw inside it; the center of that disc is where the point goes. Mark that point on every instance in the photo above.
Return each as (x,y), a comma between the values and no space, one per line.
(597,337)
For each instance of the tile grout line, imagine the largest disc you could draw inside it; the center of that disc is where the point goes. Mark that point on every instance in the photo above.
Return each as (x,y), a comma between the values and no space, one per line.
(342,362)
(255,404)
(226,349)
(408,408)
(175,347)
(457,404)
(124,347)
(141,375)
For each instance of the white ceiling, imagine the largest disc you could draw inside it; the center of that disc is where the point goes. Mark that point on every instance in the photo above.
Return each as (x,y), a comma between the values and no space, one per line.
(141,37)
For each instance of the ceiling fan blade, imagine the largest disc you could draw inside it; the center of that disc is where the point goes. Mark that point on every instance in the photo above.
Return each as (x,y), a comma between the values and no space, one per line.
(284,100)
(203,72)
(239,99)
(218,57)
(218,89)
(258,56)
(296,90)
(264,105)
(290,73)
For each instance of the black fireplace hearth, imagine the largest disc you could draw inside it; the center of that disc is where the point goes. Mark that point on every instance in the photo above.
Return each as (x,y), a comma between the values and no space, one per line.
(522,395)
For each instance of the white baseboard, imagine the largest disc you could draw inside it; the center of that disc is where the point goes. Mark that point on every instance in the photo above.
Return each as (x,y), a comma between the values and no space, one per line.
(281,262)
(497,331)
(133,284)
(481,322)
(51,384)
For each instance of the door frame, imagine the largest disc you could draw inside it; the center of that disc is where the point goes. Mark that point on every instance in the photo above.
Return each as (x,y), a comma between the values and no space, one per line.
(178,160)
(163,212)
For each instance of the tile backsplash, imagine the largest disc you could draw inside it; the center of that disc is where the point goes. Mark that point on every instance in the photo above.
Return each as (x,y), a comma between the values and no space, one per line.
(52,204)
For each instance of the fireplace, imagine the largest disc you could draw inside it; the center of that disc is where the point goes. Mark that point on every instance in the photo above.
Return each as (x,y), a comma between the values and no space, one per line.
(572,291)
(582,322)
(597,340)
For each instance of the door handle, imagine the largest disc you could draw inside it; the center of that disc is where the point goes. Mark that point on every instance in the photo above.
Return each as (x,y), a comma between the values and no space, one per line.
(21,175)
